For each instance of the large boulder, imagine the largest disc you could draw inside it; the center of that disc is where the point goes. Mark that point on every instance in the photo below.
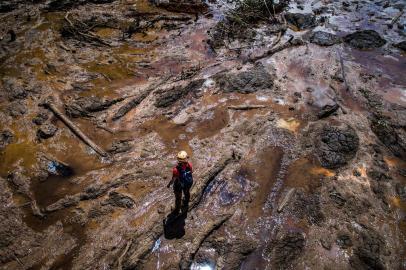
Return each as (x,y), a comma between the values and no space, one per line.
(245,82)
(336,146)
(84,106)
(365,39)
(168,97)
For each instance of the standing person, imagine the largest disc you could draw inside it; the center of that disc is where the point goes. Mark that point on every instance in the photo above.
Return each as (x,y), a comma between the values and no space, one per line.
(182,181)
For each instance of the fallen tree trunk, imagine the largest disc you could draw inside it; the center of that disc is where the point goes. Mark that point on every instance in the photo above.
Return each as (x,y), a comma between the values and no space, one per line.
(75,129)
(246,107)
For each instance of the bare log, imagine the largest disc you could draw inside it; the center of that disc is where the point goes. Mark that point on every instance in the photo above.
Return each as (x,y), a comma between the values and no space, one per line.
(286,199)
(246,107)
(75,129)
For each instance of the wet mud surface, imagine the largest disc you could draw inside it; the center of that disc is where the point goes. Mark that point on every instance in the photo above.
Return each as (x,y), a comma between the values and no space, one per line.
(294,121)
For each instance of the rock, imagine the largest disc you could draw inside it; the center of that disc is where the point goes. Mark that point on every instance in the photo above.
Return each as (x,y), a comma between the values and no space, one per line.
(287,249)
(401,46)
(336,146)
(16,109)
(309,206)
(343,240)
(84,106)
(120,147)
(368,254)
(7,6)
(337,198)
(245,82)
(14,89)
(327,110)
(119,200)
(6,137)
(301,20)
(40,118)
(324,38)
(168,97)
(184,6)
(56,5)
(46,131)
(390,136)
(365,39)
(20,182)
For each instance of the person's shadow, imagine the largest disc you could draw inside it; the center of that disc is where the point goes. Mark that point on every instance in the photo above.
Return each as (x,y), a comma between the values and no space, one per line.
(174,224)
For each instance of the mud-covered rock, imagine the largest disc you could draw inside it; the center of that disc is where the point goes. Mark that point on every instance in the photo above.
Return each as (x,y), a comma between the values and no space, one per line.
(338,199)
(20,182)
(301,20)
(401,46)
(391,137)
(184,6)
(365,39)
(56,5)
(84,106)
(120,147)
(324,38)
(7,6)
(168,97)
(17,108)
(368,254)
(308,206)
(327,110)
(344,240)
(119,200)
(46,131)
(336,146)
(40,118)
(245,82)
(287,248)
(6,137)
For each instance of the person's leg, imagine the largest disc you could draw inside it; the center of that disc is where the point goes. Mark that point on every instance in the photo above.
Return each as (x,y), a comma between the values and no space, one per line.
(178,198)
(186,198)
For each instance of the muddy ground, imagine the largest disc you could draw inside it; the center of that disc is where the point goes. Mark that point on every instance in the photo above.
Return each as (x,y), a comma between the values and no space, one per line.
(293,114)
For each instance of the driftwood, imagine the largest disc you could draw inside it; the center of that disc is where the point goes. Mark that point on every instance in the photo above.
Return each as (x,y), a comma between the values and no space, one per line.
(75,129)
(347,88)
(286,199)
(246,107)
(288,44)
(137,99)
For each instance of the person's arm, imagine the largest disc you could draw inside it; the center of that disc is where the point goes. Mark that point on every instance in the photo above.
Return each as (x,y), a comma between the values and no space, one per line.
(174,176)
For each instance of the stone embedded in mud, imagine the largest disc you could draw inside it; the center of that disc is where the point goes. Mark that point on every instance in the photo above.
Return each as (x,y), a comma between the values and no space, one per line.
(245,82)
(286,249)
(20,182)
(401,46)
(327,110)
(336,146)
(365,39)
(56,5)
(7,6)
(40,118)
(184,6)
(367,255)
(301,20)
(324,38)
(389,135)
(46,131)
(120,147)
(168,97)
(17,108)
(344,240)
(308,206)
(119,200)
(6,137)
(84,106)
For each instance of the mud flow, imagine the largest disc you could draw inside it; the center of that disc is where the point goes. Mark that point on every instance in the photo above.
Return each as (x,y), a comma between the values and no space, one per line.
(292,114)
